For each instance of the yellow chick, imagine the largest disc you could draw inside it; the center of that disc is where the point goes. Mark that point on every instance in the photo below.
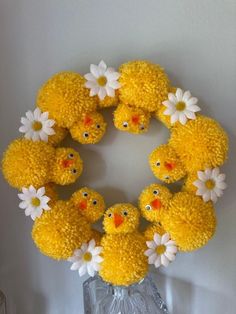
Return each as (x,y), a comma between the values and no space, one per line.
(131,119)
(89,203)
(153,201)
(28,163)
(143,85)
(60,134)
(200,144)
(67,100)
(89,129)
(189,220)
(61,230)
(123,246)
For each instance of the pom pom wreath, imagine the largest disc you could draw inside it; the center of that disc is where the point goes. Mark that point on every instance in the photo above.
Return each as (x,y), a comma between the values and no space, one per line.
(190,222)
(131,119)
(89,203)
(200,144)
(124,260)
(28,163)
(153,200)
(166,165)
(65,97)
(121,218)
(152,229)
(60,134)
(143,84)
(58,232)
(89,129)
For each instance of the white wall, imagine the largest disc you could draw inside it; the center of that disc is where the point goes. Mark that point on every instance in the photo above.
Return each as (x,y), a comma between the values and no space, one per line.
(195,41)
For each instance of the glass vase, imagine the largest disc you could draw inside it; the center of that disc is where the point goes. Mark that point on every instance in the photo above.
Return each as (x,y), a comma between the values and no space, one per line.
(140,298)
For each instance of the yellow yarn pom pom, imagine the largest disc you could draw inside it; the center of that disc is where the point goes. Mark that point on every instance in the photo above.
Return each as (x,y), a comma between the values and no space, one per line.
(200,144)
(166,165)
(89,129)
(97,236)
(188,184)
(121,218)
(89,203)
(124,260)
(152,229)
(50,191)
(143,84)
(61,230)
(60,134)
(153,200)
(189,220)
(65,97)
(109,101)
(28,163)
(131,119)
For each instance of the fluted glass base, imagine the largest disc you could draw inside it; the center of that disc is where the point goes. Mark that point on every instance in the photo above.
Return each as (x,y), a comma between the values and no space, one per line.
(140,298)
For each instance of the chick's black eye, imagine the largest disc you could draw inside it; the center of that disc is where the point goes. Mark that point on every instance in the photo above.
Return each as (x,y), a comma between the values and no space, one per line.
(73,171)
(141,127)
(125,124)
(158,163)
(70,156)
(110,215)
(85,194)
(95,202)
(98,126)
(166,177)
(148,207)
(86,134)
(156,192)
(125,213)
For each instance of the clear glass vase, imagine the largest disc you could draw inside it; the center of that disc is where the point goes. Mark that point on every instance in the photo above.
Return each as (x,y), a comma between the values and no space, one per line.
(140,298)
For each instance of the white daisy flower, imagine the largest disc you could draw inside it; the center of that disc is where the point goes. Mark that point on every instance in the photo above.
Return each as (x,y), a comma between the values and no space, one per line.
(210,184)
(161,251)
(33,201)
(37,126)
(87,259)
(102,81)
(181,106)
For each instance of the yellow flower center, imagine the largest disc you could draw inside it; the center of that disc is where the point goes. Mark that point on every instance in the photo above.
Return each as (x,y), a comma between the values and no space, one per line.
(35,201)
(161,249)
(37,125)
(210,184)
(87,257)
(102,80)
(180,106)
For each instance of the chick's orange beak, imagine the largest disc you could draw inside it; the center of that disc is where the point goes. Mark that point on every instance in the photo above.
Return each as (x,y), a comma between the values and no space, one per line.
(118,220)
(88,121)
(169,165)
(83,205)
(67,163)
(156,204)
(135,119)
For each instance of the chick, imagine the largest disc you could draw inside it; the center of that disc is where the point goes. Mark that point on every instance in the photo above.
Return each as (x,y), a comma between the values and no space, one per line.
(189,220)
(123,246)
(28,163)
(166,165)
(67,100)
(60,134)
(89,129)
(143,85)
(61,230)
(153,201)
(131,119)
(200,144)
(89,203)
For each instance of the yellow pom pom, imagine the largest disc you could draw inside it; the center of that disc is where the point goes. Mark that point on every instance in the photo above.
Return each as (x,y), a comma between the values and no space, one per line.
(143,84)
(97,236)
(124,260)
(61,230)
(188,184)
(121,218)
(28,163)
(50,191)
(200,144)
(89,129)
(60,134)
(67,166)
(109,101)
(152,229)
(131,119)
(166,165)
(65,97)
(89,203)
(153,200)
(189,221)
